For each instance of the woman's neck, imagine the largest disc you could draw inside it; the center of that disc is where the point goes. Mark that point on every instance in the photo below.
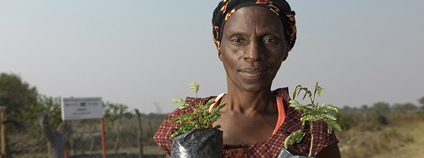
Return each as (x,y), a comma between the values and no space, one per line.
(245,102)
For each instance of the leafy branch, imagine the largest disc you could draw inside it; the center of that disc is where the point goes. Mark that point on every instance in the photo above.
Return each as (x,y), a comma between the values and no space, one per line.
(311,113)
(200,118)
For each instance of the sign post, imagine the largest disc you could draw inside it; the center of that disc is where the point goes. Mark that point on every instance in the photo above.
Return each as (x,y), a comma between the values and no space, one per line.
(85,108)
(102,124)
(66,148)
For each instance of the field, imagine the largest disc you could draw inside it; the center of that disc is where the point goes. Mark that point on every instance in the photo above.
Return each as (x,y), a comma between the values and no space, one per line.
(380,135)
(401,137)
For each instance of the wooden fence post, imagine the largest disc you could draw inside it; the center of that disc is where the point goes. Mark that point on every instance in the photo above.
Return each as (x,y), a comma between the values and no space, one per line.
(3,133)
(140,135)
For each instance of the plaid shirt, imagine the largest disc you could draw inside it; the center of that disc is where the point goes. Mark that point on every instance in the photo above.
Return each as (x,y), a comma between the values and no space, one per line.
(268,148)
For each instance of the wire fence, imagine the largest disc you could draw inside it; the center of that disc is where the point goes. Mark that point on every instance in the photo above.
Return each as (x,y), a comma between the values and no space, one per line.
(122,138)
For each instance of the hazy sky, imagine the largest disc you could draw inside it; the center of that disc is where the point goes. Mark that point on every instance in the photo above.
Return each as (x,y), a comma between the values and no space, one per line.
(142,53)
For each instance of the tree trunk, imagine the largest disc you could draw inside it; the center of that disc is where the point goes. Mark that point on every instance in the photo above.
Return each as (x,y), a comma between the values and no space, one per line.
(115,149)
(56,139)
(91,145)
(140,134)
(151,130)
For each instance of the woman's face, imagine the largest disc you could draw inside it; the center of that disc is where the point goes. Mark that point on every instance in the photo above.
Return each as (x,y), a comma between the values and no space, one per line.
(252,48)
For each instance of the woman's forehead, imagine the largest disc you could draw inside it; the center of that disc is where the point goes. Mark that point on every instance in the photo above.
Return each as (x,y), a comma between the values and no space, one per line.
(253,16)
(280,8)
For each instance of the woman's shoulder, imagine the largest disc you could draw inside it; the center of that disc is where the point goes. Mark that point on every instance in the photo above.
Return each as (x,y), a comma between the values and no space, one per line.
(191,100)
(284,94)
(283,91)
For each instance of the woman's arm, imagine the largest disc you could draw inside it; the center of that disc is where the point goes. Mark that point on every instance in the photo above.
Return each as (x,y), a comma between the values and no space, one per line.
(331,151)
(168,156)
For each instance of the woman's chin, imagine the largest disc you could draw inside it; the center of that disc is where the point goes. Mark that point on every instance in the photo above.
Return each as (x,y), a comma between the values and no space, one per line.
(254,85)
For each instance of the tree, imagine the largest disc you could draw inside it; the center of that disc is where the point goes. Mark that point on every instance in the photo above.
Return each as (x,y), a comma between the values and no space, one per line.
(421,101)
(16,94)
(380,108)
(346,108)
(404,107)
(378,111)
(50,106)
(23,103)
(364,107)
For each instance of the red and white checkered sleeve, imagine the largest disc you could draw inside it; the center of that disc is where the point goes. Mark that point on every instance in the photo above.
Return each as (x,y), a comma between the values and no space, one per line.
(165,130)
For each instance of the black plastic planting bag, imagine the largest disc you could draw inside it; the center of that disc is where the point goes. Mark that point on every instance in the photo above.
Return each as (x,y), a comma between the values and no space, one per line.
(286,154)
(204,143)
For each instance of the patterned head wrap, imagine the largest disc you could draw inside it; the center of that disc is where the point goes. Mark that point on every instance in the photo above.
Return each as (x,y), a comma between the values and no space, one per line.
(279,7)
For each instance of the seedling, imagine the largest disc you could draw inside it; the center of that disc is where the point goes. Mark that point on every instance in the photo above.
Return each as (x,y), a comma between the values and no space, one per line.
(200,118)
(311,113)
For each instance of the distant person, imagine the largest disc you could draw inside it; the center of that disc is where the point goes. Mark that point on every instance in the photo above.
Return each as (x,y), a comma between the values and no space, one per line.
(253,38)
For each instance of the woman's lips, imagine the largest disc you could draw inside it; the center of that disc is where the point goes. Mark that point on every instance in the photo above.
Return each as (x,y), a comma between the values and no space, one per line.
(252,73)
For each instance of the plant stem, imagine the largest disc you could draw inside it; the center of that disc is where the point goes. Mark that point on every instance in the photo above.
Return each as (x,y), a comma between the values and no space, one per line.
(311,125)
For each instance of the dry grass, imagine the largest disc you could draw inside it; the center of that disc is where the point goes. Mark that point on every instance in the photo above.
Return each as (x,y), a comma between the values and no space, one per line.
(402,137)
(27,141)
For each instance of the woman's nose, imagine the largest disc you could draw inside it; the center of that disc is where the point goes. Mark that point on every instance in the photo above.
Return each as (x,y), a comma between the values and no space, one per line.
(253,52)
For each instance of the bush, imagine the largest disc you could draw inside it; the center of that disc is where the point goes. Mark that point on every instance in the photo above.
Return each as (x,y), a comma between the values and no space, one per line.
(346,122)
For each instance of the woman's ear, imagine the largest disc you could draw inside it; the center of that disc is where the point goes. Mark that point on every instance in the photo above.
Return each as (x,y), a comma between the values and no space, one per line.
(219,55)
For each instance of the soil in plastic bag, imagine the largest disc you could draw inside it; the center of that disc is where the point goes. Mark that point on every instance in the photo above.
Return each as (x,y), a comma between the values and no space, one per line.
(286,154)
(204,143)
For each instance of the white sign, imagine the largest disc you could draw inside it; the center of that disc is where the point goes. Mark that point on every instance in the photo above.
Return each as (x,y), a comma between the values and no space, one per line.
(82,108)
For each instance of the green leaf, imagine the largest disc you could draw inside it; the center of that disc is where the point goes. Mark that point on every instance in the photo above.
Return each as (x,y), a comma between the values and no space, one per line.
(209,102)
(293,102)
(204,108)
(200,117)
(304,96)
(184,106)
(332,124)
(318,89)
(194,87)
(331,117)
(178,101)
(197,102)
(295,92)
(216,110)
(293,138)
(303,120)
(333,108)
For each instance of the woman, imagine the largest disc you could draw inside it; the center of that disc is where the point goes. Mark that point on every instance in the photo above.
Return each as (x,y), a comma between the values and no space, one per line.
(253,38)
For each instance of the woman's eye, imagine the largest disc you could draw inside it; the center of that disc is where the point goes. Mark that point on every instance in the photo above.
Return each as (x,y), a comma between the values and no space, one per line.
(237,40)
(270,40)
